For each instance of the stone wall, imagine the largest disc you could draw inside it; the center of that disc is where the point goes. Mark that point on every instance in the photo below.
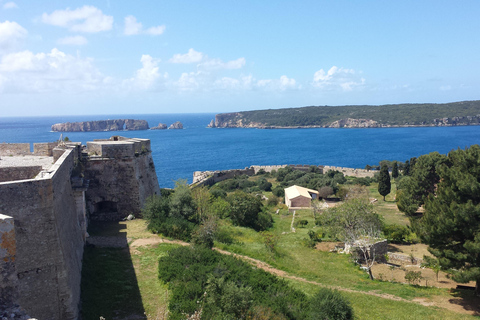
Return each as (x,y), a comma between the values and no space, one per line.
(359,173)
(14,149)
(120,179)
(19,173)
(8,273)
(49,241)
(44,149)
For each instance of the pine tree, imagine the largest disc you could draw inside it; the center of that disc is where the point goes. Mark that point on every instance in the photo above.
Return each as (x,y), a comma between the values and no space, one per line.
(395,170)
(451,222)
(384,185)
(406,171)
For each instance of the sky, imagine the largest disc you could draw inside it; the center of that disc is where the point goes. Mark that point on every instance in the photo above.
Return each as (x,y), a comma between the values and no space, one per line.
(173,56)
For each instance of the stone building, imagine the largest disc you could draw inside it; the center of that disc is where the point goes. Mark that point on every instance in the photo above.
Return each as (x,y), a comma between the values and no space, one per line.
(47,193)
(299,197)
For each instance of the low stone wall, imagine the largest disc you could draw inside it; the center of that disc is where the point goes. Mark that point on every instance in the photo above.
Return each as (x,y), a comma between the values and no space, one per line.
(19,173)
(8,273)
(44,149)
(359,173)
(208,178)
(14,149)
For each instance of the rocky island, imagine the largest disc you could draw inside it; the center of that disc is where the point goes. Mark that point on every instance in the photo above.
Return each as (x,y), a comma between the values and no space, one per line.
(362,116)
(101,125)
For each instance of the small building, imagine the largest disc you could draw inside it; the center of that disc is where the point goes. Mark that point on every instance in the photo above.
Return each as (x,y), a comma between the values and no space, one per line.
(299,197)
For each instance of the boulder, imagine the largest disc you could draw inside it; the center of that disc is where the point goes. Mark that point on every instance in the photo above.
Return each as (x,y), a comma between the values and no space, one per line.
(211,124)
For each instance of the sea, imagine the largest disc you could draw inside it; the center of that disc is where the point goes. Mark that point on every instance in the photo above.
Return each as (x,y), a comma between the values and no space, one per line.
(178,153)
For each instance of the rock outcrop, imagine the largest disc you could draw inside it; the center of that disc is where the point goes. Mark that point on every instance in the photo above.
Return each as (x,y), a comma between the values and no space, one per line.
(211,124)
(161,126)
(176,125)
(101,125)
(354,123)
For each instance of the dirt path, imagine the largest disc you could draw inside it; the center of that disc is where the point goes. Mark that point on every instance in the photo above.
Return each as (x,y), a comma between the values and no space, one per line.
(454,304)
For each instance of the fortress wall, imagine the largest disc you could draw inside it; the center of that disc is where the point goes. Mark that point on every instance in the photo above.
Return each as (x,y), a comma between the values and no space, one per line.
(44,217)
(19,173)
(146,177)
(268,168)
(359,173)
(14,149)
(8,273)
(44,149)
(70,233)
(112,149)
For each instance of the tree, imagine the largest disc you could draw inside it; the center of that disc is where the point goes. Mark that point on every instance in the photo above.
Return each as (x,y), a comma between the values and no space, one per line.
(414,189)
(384,185)
(244,209)
(395,170)
(356,223)
(450,224)
(182,204)
(202,198)
(406,171)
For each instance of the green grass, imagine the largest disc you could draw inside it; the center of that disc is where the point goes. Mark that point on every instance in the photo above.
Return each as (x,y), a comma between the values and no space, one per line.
(118,283)
(372,307)
(388,208)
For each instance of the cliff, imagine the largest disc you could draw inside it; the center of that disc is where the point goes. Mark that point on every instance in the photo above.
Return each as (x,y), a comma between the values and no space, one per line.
(101,125)
(363,116)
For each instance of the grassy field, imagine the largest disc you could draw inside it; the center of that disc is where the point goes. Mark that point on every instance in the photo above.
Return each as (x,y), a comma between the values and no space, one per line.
(122,283)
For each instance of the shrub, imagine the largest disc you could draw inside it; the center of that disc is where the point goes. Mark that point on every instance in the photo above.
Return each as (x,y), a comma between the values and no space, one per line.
(278,191)
(272,201)
(413,276)
(330,304)
(205,234)
(218,193)
(223,235)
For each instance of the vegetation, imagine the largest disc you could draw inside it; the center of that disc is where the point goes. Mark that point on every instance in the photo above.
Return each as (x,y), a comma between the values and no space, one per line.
(450,224)
(395,115)
(384,185)
(218,286)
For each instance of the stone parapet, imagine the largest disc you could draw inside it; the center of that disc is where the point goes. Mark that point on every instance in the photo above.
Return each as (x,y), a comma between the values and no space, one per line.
(14,149)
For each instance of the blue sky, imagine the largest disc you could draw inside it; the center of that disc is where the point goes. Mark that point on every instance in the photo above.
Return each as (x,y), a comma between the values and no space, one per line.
(114,57)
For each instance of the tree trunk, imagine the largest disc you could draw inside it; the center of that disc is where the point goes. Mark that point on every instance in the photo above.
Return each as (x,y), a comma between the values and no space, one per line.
(477,288)
(383,198)
(370,273)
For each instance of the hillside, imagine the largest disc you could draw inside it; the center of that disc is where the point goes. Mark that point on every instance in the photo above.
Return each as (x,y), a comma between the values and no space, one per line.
(360,116)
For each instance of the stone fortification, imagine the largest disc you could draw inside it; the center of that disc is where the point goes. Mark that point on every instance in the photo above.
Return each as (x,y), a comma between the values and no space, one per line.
(14,149)
(121,176)
(102,125)
(50,218)
(209,178)
(359,173)
(19,173)
(49,240)
(201,178)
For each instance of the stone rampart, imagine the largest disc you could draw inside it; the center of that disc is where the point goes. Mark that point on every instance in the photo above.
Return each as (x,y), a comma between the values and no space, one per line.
(44,149)
(49,241)
(121,178)
(14,149)
(8,273)
(359,173)
(19,173)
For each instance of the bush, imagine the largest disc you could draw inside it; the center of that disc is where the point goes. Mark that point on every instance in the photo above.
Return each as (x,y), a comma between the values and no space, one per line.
(218,193)
(399,234)
(330,304)
(223,235)
(413,277)
(205,234)
(279,191)
(272,201)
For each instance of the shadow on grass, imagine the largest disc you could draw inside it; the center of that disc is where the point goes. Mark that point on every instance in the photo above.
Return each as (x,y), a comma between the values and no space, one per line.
(468,300)
(109,284)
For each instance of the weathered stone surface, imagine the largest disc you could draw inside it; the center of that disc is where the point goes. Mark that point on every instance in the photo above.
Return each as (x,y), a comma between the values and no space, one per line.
(354,123)
(211,124)
(102,125)
(176,125)
(161,126)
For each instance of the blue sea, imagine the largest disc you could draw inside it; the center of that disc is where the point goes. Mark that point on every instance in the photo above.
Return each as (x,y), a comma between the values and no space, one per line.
(178,153)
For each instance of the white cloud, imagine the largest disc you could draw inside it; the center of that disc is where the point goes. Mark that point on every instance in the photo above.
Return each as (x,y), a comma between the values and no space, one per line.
(337,78)
(215,64)
(10,34)
(85,19)
(74,41)
(48,72)
(132,27)
(10,5)
(156,31)
(282,84)
(147,77)
(191,57)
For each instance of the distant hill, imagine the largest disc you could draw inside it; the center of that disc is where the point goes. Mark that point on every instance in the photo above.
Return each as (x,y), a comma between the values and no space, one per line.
(361,116)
